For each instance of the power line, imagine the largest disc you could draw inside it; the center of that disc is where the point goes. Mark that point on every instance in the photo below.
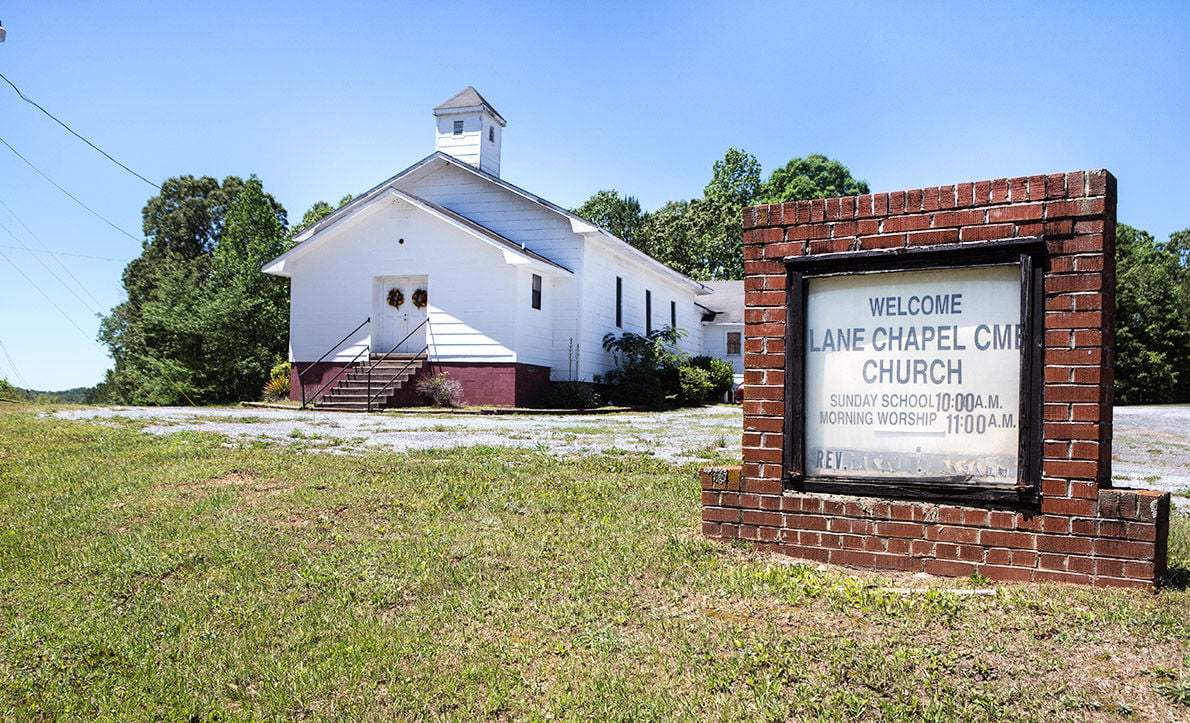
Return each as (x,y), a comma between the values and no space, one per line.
(68,287)
(34,103)
(89,338)
(41,243)
(58,253)
(12,365)
(47,296)
(68,193)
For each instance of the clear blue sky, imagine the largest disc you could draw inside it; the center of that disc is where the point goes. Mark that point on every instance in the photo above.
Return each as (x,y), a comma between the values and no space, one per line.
(322,99)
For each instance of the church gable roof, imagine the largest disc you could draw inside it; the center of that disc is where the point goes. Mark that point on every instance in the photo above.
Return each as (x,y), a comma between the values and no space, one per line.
(474,229)
(436,159)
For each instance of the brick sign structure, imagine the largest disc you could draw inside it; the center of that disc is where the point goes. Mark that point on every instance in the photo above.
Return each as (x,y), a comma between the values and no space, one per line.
(928,386)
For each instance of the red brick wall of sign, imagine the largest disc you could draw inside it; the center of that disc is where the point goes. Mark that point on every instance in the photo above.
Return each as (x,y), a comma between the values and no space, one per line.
(1078,529)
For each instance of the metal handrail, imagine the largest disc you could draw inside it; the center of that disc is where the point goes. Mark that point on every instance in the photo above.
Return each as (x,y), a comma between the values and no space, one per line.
(402,341)
(336,375)
(311,365)
(425,322)
(424,351)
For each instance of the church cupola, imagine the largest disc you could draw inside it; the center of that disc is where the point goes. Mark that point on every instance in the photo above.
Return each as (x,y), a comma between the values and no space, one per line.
(469,129)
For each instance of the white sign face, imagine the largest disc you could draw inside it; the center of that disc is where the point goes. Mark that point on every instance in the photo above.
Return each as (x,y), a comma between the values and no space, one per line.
(914,374)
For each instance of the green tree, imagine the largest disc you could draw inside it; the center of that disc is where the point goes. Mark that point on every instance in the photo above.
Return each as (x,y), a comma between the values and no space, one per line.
(1179,246)
(704,237)
(1151,331)
(254,232)
(814,176)
(666,235)
(198,310)
(319,211)
(247,311)
(735,179)
(621,215)
(716,219)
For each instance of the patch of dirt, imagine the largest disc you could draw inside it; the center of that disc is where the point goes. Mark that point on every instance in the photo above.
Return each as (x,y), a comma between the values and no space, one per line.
(252,491)
(232,479)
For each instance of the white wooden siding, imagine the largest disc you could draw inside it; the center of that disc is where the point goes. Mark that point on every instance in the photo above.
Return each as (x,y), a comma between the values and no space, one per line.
(472,145)
(536,327)
(470,285)
(539,229)
(714,343)
(601,268)
(508,214)
(480,302)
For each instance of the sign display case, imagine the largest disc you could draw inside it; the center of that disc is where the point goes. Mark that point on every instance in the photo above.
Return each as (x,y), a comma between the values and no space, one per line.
(913,373)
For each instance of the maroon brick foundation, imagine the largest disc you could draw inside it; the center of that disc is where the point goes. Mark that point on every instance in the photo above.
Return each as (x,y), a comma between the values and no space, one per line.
(1079,530)
(498,385)
(314,377)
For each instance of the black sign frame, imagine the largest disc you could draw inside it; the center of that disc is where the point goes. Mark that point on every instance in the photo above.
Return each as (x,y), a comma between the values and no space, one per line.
(1029,253)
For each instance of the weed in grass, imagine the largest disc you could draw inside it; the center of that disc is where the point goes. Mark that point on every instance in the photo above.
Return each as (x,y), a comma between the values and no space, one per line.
(1177,575)
(1176,692)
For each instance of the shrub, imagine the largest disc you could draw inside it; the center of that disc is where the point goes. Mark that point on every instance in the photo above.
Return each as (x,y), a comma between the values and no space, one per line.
(646,370)
(280,370)
(721,373)
(694,384)
(9,393)
(440,390)
(277,387)
(573,395)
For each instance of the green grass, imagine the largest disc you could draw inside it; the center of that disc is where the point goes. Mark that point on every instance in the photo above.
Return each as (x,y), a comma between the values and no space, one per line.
(185,578)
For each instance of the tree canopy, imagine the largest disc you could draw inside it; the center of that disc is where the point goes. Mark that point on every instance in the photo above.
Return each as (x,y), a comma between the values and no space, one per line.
(201,323)
(319,211)
(619,214)
(1152,317)
(704,237)
(814,176)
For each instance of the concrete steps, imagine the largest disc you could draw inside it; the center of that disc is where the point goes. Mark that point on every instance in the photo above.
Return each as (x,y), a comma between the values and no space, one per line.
(351,393)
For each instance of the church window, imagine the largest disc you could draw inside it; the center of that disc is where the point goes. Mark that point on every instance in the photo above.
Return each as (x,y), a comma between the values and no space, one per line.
(733,343)
(648,311)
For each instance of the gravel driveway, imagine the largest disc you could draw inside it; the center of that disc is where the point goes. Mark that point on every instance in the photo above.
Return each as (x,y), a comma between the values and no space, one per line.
(1152,444)
(679,436)
(1152,448)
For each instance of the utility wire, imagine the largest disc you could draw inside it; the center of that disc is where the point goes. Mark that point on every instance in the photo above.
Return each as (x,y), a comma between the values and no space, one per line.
(80,330)
(41,243)
(105,154)
(47,296)
(13,366)
(59,253)
(68,193)
(161,370)
(92,309)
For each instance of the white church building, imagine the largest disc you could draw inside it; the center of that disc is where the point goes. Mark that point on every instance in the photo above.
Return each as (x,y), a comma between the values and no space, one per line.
(447,266)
